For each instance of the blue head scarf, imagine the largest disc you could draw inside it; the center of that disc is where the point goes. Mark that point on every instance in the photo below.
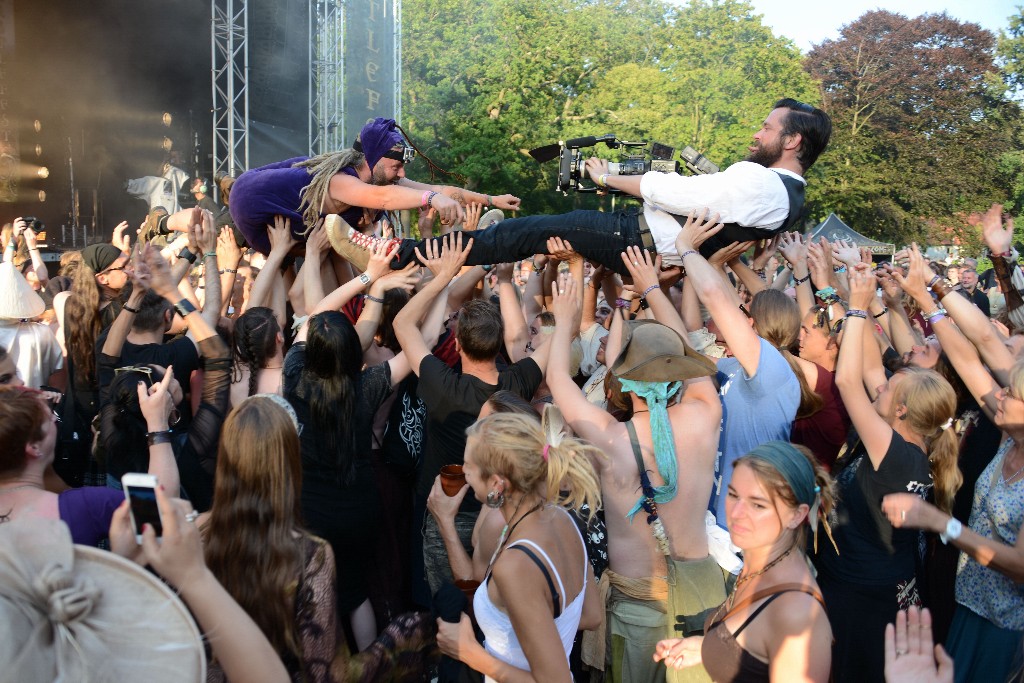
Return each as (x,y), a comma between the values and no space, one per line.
(657,395)
(798,472)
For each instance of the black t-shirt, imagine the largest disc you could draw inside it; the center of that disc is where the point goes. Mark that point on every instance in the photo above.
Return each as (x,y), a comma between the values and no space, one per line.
(871,551)
(453,402)
(374,387)
(180,352)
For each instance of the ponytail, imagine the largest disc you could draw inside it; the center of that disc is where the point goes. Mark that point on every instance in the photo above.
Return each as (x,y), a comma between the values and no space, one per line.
(572,481)
(943,455)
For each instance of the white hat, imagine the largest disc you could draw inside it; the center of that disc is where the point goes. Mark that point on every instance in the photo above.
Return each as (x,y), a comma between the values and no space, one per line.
(18,300)
(76,613)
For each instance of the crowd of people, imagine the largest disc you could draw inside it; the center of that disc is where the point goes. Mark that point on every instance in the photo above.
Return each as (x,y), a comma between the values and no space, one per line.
(678,443)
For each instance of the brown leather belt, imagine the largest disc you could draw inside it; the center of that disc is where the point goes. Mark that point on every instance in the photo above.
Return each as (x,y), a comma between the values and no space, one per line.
(646,238)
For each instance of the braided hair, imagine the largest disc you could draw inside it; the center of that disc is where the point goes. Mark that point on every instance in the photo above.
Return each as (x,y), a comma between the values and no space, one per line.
(323,168)
(255,342)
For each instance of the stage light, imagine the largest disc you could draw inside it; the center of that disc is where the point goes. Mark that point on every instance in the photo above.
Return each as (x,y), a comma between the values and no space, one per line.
(167,144)
(42,196)
(168,119)
(39,150)
(37,125)
(43,172)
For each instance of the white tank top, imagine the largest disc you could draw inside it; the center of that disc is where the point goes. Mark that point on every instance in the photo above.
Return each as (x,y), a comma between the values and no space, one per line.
(499,636)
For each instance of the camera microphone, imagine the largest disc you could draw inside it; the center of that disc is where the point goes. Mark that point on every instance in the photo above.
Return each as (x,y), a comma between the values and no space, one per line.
(588,141)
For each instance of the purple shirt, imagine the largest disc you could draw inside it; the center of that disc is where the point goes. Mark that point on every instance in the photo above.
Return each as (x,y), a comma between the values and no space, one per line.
(87,512)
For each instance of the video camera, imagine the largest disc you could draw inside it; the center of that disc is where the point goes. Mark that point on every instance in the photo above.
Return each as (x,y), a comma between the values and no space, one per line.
(635,160)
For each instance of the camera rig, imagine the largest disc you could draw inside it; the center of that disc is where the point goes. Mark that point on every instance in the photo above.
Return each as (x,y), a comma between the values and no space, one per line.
(636,159)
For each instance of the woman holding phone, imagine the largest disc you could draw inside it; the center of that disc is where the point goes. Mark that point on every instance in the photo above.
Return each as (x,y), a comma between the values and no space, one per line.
(28,435)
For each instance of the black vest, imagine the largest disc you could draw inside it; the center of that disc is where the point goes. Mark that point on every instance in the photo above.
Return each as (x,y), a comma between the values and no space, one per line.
(733,232)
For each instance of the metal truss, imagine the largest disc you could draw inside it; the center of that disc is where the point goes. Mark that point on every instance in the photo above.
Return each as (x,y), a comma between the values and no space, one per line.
(229,48)
(398,59)
(326,76)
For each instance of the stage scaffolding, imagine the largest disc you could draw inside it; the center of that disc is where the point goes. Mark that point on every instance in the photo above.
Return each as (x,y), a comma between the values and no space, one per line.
(230,58)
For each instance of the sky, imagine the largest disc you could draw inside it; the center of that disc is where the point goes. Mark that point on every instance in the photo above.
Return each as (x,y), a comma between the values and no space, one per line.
(810,23)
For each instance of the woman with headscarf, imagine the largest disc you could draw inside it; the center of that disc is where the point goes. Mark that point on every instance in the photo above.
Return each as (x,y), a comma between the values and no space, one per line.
(773,626)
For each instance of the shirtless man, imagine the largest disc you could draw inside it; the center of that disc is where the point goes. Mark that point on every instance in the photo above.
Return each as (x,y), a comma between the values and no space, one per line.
(675,404)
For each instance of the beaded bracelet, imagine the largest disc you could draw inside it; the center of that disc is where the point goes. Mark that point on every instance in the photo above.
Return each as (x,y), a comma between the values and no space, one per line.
(800,280)
(430,200)
(649,290)
(826,293)
(856,313)
(622,303)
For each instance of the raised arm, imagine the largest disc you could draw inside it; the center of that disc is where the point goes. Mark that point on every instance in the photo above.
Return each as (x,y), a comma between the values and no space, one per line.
(720,300)
(206,235)
(875,433)
(281,242)
(586,419)
(228,258)
(37,260)
(793,248)
(516,328)
(644,272)
(463,196)
(352,191)
(407,322)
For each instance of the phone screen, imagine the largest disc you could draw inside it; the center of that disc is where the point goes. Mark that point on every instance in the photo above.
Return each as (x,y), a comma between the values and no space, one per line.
(142,500)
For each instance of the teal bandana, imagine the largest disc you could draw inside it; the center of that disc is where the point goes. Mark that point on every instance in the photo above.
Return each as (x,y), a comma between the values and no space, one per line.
(657,395)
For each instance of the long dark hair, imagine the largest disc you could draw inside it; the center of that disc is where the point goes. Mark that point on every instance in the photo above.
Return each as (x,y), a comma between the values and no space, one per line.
(255,341)
(329,383)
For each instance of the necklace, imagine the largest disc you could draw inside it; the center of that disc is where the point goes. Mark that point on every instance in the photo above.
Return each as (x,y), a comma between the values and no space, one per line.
(507,531)
(18,488)
(1007,480)
(744,579)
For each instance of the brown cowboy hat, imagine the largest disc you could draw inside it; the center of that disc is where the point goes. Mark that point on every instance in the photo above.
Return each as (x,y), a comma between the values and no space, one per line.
(652,352)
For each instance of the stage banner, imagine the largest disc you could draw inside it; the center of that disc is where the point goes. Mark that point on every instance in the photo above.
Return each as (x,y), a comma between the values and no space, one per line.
(369,63)
(8,132)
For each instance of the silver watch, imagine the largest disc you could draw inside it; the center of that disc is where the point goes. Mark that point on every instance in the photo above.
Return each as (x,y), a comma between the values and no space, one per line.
(953,530)
(364,278)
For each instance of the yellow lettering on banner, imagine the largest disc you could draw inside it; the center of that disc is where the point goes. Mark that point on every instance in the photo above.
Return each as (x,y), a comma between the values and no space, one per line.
(375,6)
(372,99)
(370,42)
(371,73)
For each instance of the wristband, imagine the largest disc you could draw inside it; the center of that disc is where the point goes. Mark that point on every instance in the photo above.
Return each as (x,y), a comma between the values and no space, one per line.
(425,199)
(826,293)
(228,270)
(157,438)
(374,299)
(489,205)
(839,269)
(186,254)
(940,290)
(682,257)
(622,303)
(856,313)
(184,307)
(602,180)
(208,254)
(885,309)
(430,200)
(800,280)
(649,290)
(128,308)
(932,282)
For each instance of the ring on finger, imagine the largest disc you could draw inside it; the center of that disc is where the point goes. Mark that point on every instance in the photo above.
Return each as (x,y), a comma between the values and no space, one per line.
(903,515)
(192,516)
(900,653)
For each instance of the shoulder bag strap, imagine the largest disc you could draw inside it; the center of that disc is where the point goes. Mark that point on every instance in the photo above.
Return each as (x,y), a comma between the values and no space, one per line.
(635,443)
(780,588)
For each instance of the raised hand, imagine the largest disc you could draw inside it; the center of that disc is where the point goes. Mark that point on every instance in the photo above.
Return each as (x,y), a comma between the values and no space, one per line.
(845,252)
(726,254)
(862,287)
(157,402)
(121,240)
(280,233)
(564,302)
(380,259)
(317,244)
(698,228)
(228,252)
(920,274)
(997,232)
(473,212)
(910,653)
(161,280)
(793,248)
(644,270)
(561,250)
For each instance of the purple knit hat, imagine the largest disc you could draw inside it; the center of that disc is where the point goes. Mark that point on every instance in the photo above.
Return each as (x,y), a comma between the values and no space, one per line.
(377,137)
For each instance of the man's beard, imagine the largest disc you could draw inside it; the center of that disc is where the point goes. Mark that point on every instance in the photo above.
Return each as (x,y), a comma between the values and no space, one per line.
(766,156)
(378,178)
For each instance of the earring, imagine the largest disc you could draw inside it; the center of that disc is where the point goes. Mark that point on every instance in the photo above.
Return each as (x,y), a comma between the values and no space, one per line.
(495,499)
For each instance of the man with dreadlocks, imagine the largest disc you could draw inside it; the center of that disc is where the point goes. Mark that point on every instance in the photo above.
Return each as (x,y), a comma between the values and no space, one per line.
(345,183)
(661,465)
(350,183)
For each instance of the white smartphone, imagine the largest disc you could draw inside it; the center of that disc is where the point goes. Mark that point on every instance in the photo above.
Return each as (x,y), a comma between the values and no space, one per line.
(140,490)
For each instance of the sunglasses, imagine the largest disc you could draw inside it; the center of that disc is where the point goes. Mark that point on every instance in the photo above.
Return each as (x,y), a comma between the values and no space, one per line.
(143,369)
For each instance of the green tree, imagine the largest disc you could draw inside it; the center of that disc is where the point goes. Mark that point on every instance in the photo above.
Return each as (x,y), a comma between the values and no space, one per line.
(921,125)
